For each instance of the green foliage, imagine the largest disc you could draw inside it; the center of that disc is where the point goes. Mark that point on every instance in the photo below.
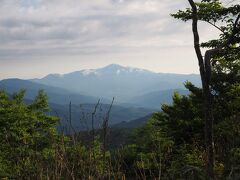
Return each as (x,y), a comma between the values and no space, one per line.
(182,122)
(25,134)
(148,153)
(31,147)
(180,127)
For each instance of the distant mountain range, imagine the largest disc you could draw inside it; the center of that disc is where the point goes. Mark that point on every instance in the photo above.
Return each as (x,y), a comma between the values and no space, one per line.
(117,81)
(138,92)
(56,95)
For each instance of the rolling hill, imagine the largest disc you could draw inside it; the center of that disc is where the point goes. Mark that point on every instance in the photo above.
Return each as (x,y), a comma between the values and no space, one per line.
(56,95)
(156,98)
(136,123)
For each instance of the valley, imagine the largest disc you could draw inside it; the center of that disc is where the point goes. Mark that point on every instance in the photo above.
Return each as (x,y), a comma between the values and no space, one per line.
(137,92)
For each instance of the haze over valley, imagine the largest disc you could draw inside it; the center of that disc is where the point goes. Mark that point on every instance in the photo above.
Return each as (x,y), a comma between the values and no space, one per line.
(137,92)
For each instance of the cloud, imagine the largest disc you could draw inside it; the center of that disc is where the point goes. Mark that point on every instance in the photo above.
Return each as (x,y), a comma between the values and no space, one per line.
(63,28)
(44,24)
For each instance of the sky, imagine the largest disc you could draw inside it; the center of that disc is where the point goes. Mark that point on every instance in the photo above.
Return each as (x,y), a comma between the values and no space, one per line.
(38,37)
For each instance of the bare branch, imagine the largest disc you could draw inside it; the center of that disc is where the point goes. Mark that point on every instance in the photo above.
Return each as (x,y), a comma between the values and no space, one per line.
(70,121)
(93,115)
(215,26)
(105,127)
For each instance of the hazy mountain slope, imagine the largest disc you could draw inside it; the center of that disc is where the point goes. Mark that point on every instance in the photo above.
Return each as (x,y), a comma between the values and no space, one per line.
(156,98)
(56,95)
(136,123)
(82,115)
(117,81)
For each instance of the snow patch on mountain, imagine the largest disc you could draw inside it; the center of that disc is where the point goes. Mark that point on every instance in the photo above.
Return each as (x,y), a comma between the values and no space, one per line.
(89,72)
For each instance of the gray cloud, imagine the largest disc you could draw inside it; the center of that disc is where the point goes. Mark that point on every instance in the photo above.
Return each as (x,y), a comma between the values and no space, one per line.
(33,28)
(43,24)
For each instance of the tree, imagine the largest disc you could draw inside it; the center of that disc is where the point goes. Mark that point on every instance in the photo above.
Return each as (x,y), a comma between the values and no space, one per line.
(27,136)
(212,12)
(149,153)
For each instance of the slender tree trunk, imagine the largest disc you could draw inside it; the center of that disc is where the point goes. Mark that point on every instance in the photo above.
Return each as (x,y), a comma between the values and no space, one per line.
(205,72)
(209,142)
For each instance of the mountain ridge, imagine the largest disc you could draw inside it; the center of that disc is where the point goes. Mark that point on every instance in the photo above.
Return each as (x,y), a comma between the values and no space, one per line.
(56,95)
(111,67)
(117,81)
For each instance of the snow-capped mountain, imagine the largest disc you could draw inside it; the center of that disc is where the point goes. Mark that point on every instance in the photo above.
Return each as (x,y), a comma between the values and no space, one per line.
(112,69)
(117,81)
(119,70)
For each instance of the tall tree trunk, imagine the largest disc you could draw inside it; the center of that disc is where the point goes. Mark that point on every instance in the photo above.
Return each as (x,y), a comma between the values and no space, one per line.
(205,72)
(209,142)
